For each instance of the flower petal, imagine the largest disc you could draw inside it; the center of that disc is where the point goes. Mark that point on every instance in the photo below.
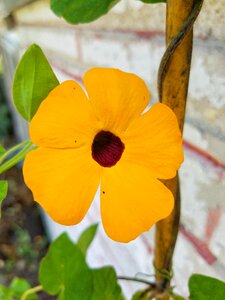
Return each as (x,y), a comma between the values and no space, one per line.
(64,119)
(63,182)
(132,201)
(154,140)
(117,97)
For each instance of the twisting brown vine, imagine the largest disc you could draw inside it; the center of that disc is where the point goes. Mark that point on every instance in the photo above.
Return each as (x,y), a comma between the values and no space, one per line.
(176,41)
(173,79)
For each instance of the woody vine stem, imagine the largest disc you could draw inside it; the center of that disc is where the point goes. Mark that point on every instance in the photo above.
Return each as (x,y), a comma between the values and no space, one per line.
(173,79)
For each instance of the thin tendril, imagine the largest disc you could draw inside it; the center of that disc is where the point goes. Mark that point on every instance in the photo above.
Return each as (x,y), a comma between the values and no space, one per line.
(136,280)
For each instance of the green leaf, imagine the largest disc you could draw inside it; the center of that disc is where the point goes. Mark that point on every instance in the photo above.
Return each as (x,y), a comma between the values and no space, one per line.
(65,271)
(86,238)
(5,293)
(206,288)
(153,1)
(140,295)
(81,11)
(105,284)
(19,286)
(33,80)
(2,150)
(3,191)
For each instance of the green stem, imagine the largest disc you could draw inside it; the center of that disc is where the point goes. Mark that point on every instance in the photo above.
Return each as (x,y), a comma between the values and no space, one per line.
(17,158)
(31,291)
(13,149)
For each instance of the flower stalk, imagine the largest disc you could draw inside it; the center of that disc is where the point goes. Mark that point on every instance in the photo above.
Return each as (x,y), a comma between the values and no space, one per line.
(173,79)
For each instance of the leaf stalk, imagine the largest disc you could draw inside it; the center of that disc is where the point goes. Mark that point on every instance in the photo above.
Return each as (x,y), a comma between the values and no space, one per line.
(31,291)
(28,146)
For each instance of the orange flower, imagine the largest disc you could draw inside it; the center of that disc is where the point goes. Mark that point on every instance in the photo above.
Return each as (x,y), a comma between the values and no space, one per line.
(103,137)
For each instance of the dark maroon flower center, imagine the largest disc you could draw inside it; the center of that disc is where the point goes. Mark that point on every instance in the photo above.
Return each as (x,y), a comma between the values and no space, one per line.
(107,148)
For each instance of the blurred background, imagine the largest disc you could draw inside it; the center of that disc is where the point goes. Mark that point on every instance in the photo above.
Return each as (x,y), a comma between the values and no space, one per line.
(130,37)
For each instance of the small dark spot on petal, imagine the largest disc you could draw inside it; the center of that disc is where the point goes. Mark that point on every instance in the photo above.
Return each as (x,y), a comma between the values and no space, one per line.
(75,141)
(103,192)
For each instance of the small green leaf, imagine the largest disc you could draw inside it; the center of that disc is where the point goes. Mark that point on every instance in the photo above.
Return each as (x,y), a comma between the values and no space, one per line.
(19,286)
(65,271)
(3,191)
(2,150)
(86,238)
(5,293)
(81,11)
(206,288)
(33,80)
(16,289)
(153,1)
(106,286)
(140,295)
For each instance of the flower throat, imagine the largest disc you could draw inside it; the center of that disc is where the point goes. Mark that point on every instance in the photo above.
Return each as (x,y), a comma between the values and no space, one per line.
(107,148)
